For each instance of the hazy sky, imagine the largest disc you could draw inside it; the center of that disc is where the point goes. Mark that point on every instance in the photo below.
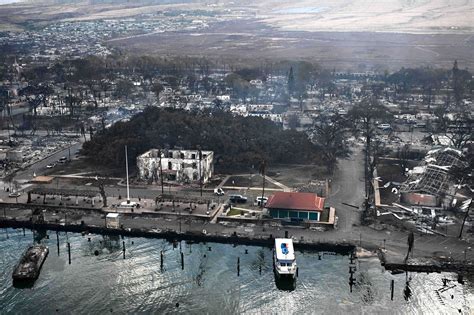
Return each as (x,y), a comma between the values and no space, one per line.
(9,1)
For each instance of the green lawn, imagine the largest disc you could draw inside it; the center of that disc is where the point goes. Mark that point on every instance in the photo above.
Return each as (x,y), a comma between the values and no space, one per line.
(233,211)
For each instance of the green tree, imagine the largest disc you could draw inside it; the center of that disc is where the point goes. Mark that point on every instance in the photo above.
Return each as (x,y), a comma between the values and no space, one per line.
(291,82)
(214,130)
(330,134)
(124,88)
(455,123)
(365,117)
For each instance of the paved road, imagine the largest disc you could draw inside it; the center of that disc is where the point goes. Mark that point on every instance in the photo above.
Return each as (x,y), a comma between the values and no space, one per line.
(39,167)
(347,187)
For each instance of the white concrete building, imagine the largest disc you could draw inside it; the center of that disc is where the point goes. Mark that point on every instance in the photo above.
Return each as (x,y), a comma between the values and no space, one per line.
(183,166)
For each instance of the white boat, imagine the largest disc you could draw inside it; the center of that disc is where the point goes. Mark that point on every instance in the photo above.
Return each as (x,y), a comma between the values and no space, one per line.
(284,260)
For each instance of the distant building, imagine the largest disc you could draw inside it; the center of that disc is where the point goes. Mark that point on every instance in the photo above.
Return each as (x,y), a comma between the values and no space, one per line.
(183,166)
(288,205)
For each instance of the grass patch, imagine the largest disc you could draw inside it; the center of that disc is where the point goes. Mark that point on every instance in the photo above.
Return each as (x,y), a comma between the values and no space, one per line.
(233,212)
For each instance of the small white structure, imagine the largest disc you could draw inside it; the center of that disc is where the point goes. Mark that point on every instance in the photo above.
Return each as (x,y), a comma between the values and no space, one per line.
(183,166)
(112,220)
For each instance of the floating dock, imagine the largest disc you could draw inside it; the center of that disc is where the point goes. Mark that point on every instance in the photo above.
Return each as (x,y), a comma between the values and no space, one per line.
(28,269)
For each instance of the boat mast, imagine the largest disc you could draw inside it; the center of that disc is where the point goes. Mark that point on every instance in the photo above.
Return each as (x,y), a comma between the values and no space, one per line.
(126,167)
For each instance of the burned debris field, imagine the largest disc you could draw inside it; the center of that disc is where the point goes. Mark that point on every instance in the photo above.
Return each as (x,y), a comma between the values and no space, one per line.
(188,156)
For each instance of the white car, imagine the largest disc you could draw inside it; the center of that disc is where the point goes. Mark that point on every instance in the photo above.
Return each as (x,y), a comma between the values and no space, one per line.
(14,194)
(219,192)
(258,200)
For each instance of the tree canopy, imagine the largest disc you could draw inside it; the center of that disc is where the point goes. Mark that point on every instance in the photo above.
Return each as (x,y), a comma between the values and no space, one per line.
(238,142)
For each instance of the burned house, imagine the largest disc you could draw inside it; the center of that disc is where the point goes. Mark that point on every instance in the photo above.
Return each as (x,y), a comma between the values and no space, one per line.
(430,183)
(183,166)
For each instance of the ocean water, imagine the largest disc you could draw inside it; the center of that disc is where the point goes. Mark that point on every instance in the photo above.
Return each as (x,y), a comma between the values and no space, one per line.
(209,284)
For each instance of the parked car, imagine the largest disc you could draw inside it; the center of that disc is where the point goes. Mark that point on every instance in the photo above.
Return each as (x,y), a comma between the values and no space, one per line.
(219,192)
(237,199)
(51,165)
(384,126)
(259,200)
(14,194)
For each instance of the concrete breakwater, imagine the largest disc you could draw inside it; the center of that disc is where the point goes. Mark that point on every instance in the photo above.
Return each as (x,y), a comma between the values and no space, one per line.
(339,248)
(435,253)
(172,236)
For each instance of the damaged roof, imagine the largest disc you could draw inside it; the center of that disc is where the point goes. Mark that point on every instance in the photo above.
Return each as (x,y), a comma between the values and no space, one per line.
(433,174)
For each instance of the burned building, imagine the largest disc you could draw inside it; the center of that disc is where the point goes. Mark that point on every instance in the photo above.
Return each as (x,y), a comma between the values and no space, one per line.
(430,183)
(183,166)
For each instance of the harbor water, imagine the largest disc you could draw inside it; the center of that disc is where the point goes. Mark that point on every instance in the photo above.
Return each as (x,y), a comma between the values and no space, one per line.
(99,280)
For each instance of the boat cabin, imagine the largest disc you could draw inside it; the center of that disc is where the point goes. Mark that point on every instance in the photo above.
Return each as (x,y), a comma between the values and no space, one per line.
(284,257)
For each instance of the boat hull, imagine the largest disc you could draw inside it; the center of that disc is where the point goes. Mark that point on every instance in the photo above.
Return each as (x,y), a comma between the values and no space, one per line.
(29,266)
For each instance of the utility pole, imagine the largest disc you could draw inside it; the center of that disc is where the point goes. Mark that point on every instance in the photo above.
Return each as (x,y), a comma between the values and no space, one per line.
(126,167)
(200,170)
(161,173)
(262,172)
(468,207)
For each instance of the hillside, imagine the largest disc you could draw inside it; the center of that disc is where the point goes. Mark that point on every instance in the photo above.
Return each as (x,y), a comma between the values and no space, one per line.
(408,16)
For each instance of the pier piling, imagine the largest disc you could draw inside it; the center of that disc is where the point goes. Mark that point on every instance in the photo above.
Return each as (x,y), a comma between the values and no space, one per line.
(57,241)
(352,269)
(161,260)
(123,249)
(182,261)
(23,231)
(238,266)
(69,251)
(260,269)
(392,286)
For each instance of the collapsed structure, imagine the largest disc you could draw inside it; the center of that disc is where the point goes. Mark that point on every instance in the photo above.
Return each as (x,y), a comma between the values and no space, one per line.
(430,183)
(183,166)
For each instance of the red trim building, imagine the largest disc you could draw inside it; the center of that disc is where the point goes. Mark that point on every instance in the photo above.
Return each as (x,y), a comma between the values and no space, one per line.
(288,205)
